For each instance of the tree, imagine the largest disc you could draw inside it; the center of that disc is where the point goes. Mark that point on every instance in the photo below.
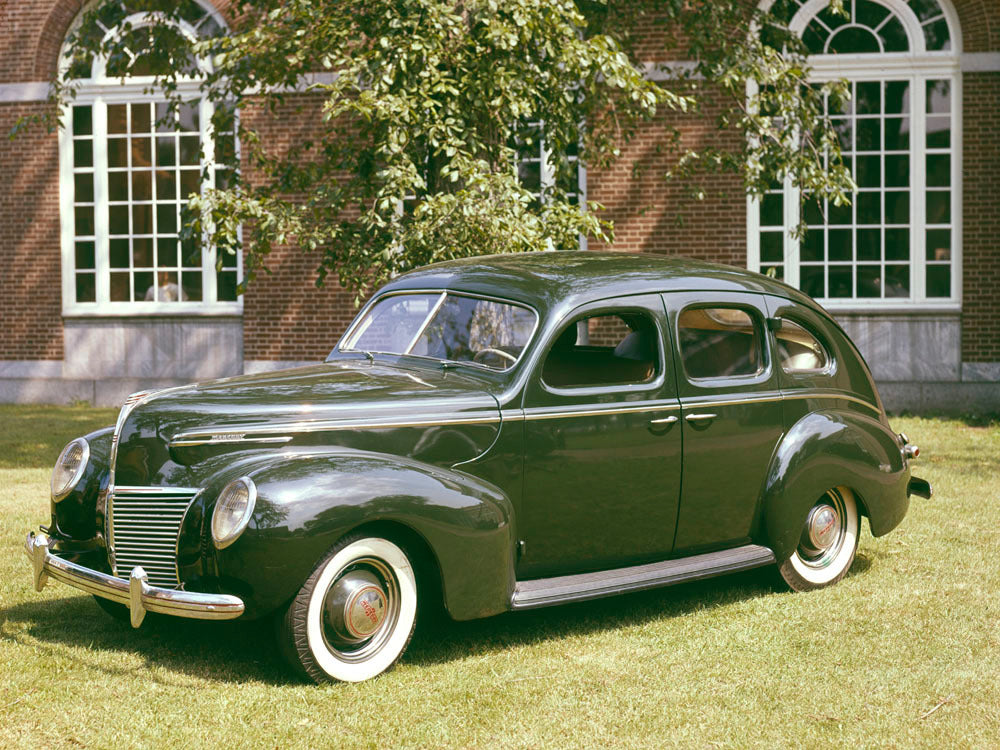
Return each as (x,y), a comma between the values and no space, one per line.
(426,104)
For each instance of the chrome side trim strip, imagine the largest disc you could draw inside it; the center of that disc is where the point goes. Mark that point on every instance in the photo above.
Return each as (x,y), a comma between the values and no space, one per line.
(837,396)
(547,412)
(228,437)
(135,593)
(280,431)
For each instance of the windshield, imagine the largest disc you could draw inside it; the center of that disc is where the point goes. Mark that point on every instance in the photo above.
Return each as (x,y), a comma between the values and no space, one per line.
(445,326)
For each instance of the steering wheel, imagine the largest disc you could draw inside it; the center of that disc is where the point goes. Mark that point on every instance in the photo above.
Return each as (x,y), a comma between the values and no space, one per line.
(499,352)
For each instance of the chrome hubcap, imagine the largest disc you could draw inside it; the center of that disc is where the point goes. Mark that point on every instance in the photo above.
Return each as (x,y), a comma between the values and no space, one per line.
(824,532)
(360,609)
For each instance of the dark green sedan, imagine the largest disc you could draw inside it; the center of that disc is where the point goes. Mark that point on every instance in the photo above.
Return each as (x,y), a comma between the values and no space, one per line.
(493,434)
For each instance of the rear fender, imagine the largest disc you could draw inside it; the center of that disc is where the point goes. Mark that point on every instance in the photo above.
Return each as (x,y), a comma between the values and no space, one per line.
(831,449)
(306,502)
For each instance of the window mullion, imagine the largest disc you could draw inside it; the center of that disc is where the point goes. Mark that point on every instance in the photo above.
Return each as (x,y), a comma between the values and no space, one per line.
(918,188)
(209,286)
(102,230)
(790,244)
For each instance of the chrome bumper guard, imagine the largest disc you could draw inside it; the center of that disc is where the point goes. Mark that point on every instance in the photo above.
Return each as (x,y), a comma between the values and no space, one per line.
(135,593)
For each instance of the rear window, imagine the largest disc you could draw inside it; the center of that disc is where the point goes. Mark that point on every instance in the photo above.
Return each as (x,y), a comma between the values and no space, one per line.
(719,342)
(798,349)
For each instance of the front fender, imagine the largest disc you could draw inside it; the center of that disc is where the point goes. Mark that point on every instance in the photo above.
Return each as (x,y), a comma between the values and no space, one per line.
(75,516)
(307,501)
(831,449)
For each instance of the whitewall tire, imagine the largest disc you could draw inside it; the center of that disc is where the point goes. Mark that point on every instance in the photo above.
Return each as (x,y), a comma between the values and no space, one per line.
(354,616)
(828,542)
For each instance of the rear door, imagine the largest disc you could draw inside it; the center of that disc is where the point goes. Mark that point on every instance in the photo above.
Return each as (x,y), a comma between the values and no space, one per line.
(731,414)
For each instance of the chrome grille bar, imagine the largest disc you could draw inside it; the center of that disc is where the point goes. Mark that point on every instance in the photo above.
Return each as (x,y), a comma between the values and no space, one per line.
(145,524)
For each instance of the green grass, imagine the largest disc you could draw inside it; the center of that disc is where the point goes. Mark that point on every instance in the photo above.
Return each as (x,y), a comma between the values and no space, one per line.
(732,662)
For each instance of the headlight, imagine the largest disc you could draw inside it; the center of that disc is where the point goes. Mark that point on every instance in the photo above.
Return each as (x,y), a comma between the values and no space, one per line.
(232,511)
(69,468)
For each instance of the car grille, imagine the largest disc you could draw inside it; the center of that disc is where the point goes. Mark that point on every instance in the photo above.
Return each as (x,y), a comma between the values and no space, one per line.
(145,522)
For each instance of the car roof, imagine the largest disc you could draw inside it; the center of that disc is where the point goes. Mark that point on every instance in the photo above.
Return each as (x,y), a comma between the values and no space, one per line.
(570,278)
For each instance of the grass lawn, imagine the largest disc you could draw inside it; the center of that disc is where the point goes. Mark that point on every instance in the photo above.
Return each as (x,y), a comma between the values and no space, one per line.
(905,652)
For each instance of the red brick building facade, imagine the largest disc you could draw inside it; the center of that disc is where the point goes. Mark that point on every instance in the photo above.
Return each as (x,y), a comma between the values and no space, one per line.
(912,272)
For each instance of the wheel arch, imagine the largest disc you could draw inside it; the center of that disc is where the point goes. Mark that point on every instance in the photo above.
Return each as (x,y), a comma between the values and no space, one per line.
(828,449)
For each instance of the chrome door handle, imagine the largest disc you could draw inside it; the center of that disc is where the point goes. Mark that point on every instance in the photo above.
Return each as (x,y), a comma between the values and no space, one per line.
(700,417)
(664,420)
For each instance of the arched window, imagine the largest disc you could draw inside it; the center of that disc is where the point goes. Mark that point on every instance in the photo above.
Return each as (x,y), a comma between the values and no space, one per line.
(127,167)
(899,241)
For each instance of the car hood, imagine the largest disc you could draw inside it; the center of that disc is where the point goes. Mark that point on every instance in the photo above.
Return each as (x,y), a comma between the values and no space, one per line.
(336,403)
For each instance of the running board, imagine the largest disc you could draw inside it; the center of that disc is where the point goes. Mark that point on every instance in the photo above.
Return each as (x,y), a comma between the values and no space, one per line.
(543,592)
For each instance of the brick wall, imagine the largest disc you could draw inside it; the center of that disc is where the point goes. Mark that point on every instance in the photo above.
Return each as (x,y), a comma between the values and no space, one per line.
(981,218)
(30,279)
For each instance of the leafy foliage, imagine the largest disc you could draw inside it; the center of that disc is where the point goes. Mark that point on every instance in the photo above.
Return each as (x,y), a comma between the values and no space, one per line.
(426,105)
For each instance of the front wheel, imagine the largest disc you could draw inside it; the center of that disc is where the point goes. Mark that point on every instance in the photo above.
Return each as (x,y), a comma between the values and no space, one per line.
(354,616)
(827,545)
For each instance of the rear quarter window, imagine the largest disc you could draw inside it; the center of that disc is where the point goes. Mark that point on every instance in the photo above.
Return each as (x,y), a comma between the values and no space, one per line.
(799,351)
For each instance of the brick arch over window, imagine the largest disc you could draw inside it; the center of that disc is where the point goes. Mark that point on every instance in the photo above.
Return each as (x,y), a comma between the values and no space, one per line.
(899,242)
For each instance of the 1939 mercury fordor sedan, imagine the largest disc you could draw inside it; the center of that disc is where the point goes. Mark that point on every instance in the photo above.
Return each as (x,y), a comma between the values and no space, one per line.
(493,434)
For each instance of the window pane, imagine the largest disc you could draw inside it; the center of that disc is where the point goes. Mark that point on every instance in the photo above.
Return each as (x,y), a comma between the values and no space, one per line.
(142,186)
(166,184)
(84,255)
(938,207)
(120,287)
(840,244)
(811,281)
(166,252)
(166,151)
(84,224)
(897,171)
(141,120)
(938,244)
(869,134)
(718,342)
(226,286)
(869,281)
(869,208)
(118,186)
(897,97)
(117,118)
(142,152)
(812,245)
(117,152)
(771,210)
(938,170)
(118,219)
(119,255)
(190,150)
(936,35)
(869,171)
(144,289)
(869,96)
(938,131)
(83,121)
(894,37)
(897,207)
(798,350)
(166,219)
(838,214)
(142,252)
(83,187)
(167,288)
(190,182)
(938,281)
(191,284)
(188,117)
(938,97)
(897,244)
(841,281)
(897,281)
(142,219)
(897,133)
(869,244)
(772,246)
(83,153)
(86,289)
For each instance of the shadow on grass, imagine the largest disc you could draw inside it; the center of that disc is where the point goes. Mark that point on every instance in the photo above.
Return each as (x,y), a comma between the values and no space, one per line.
(245,651)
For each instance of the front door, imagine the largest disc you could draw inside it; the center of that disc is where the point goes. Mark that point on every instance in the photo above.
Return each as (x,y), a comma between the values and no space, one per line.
(731,414)
(602,442)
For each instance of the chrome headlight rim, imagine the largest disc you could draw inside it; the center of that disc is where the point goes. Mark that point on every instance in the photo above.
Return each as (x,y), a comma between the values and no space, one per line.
(77,473)
(236,531)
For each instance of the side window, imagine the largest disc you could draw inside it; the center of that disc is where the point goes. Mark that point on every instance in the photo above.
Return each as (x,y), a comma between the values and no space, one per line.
(608,349)
(719,342)
(799,350)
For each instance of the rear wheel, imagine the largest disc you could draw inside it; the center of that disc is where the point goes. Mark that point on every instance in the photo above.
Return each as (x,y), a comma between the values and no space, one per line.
(354,616)
(828,542)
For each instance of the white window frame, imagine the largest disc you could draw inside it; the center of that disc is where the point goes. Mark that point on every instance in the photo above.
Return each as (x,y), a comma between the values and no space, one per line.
(917,66)
(547,174)
(99,92)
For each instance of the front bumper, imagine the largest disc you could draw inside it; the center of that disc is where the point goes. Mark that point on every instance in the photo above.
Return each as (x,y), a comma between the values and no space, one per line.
(135,593)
